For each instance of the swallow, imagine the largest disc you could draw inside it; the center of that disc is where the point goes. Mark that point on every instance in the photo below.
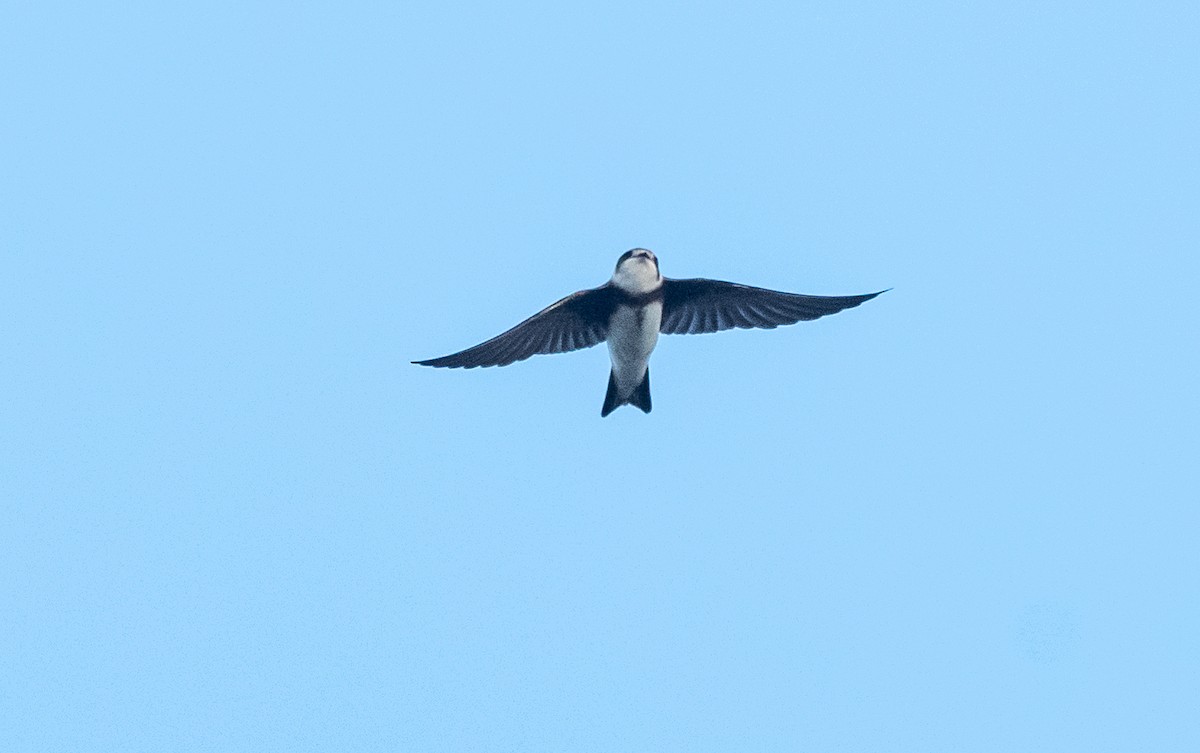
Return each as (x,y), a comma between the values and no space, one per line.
(631,310)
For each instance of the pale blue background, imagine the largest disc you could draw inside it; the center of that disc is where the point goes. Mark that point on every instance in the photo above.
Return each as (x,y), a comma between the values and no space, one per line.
(962,517)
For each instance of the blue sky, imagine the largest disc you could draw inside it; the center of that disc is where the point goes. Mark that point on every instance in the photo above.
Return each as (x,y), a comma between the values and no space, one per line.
(962,517)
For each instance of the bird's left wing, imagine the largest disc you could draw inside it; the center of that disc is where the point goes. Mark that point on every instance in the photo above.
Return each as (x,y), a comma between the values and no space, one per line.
(578,321)
(698,306)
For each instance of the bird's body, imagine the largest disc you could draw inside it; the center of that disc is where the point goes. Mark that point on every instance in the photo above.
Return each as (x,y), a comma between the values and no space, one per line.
(633,328)
(632,335)
(630,311)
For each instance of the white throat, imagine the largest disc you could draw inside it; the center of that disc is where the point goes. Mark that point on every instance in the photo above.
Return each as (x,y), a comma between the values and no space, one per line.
(637,276)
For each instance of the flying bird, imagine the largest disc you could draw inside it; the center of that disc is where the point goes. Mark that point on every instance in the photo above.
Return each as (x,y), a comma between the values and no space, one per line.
(630,310)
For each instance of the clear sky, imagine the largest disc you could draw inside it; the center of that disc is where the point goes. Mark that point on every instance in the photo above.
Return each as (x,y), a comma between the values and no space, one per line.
(962,517)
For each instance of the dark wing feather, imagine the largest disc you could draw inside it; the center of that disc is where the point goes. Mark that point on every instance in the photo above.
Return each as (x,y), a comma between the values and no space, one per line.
(578,321)
(696,306)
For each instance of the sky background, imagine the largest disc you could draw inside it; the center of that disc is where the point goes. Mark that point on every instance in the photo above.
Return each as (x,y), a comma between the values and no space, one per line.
(962,517)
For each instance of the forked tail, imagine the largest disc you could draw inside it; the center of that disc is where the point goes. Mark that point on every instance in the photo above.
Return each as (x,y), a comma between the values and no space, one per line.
(640,397)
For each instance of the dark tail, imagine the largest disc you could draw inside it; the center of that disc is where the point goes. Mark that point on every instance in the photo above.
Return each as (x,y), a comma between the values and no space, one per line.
(639,398)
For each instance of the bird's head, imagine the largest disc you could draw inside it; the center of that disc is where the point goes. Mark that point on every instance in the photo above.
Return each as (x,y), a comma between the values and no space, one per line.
(637,271)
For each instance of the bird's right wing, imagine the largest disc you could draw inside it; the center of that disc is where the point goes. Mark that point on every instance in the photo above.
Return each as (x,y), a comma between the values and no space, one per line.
(698,305)
(578,321)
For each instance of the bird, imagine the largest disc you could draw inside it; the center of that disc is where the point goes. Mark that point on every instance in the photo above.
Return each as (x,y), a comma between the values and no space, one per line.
(631,310)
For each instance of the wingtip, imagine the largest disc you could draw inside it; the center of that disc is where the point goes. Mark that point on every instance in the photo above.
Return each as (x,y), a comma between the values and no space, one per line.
(443,363)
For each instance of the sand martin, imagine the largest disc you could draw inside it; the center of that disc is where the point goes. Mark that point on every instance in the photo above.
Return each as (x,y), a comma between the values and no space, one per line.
(629,312)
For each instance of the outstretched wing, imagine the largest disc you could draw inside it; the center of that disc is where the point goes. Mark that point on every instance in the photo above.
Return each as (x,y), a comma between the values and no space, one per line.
(696,306)
(578,321)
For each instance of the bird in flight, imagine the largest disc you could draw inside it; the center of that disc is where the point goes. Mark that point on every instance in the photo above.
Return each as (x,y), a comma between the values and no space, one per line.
(630,310)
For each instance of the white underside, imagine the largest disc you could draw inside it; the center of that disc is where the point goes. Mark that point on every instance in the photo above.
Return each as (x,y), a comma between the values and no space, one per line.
(632,335)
